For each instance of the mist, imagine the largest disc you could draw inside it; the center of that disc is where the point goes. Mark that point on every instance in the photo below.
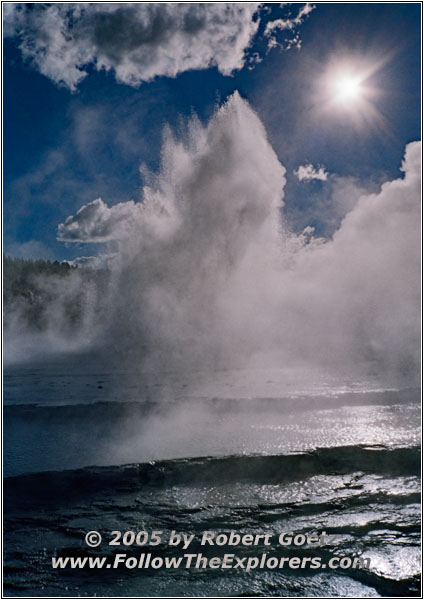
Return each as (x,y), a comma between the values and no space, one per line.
(206,274)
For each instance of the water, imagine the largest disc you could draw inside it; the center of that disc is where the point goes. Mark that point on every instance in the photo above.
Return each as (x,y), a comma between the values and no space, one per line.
(86,450)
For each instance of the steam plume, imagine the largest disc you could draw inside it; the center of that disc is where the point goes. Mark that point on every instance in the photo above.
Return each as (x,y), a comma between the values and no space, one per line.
(207,275)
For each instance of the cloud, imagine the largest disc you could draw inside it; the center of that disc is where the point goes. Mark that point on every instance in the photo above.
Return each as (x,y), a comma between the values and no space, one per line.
(96,222)
(288,24)
(137,41)
(308,172)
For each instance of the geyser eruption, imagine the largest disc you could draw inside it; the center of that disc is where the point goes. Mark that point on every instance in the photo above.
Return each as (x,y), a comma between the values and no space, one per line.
(207,274)
(198,270)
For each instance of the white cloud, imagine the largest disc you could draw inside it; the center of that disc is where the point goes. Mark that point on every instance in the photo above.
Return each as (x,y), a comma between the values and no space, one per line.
(288,24)
(308,172)
(96,222)
(137,41)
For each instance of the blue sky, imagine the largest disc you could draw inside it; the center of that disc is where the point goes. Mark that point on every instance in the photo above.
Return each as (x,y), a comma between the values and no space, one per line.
(65,147)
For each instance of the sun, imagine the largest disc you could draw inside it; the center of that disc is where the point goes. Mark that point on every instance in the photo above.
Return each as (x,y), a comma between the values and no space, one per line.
(347,89)
(345,86)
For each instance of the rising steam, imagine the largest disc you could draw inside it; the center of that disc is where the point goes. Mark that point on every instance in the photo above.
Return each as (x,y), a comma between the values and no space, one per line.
(207,274)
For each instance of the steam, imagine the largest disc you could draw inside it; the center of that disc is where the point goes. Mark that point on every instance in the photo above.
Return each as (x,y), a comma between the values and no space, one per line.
(207,275)
(50,314)
(203,259)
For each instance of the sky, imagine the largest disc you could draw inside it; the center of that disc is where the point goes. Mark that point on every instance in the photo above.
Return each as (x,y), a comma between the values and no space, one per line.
(91,91)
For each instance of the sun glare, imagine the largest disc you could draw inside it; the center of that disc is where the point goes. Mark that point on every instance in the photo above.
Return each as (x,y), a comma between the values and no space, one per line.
(347,89)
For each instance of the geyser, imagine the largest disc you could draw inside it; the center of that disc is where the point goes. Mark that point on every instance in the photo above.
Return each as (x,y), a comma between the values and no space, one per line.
(207,275)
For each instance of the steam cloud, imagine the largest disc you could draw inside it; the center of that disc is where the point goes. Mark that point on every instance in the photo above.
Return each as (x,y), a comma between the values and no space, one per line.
(139,41)
(207,274)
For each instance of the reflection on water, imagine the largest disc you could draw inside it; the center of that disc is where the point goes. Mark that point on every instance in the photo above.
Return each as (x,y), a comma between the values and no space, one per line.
(45,438)
(362,484)
(369,501)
